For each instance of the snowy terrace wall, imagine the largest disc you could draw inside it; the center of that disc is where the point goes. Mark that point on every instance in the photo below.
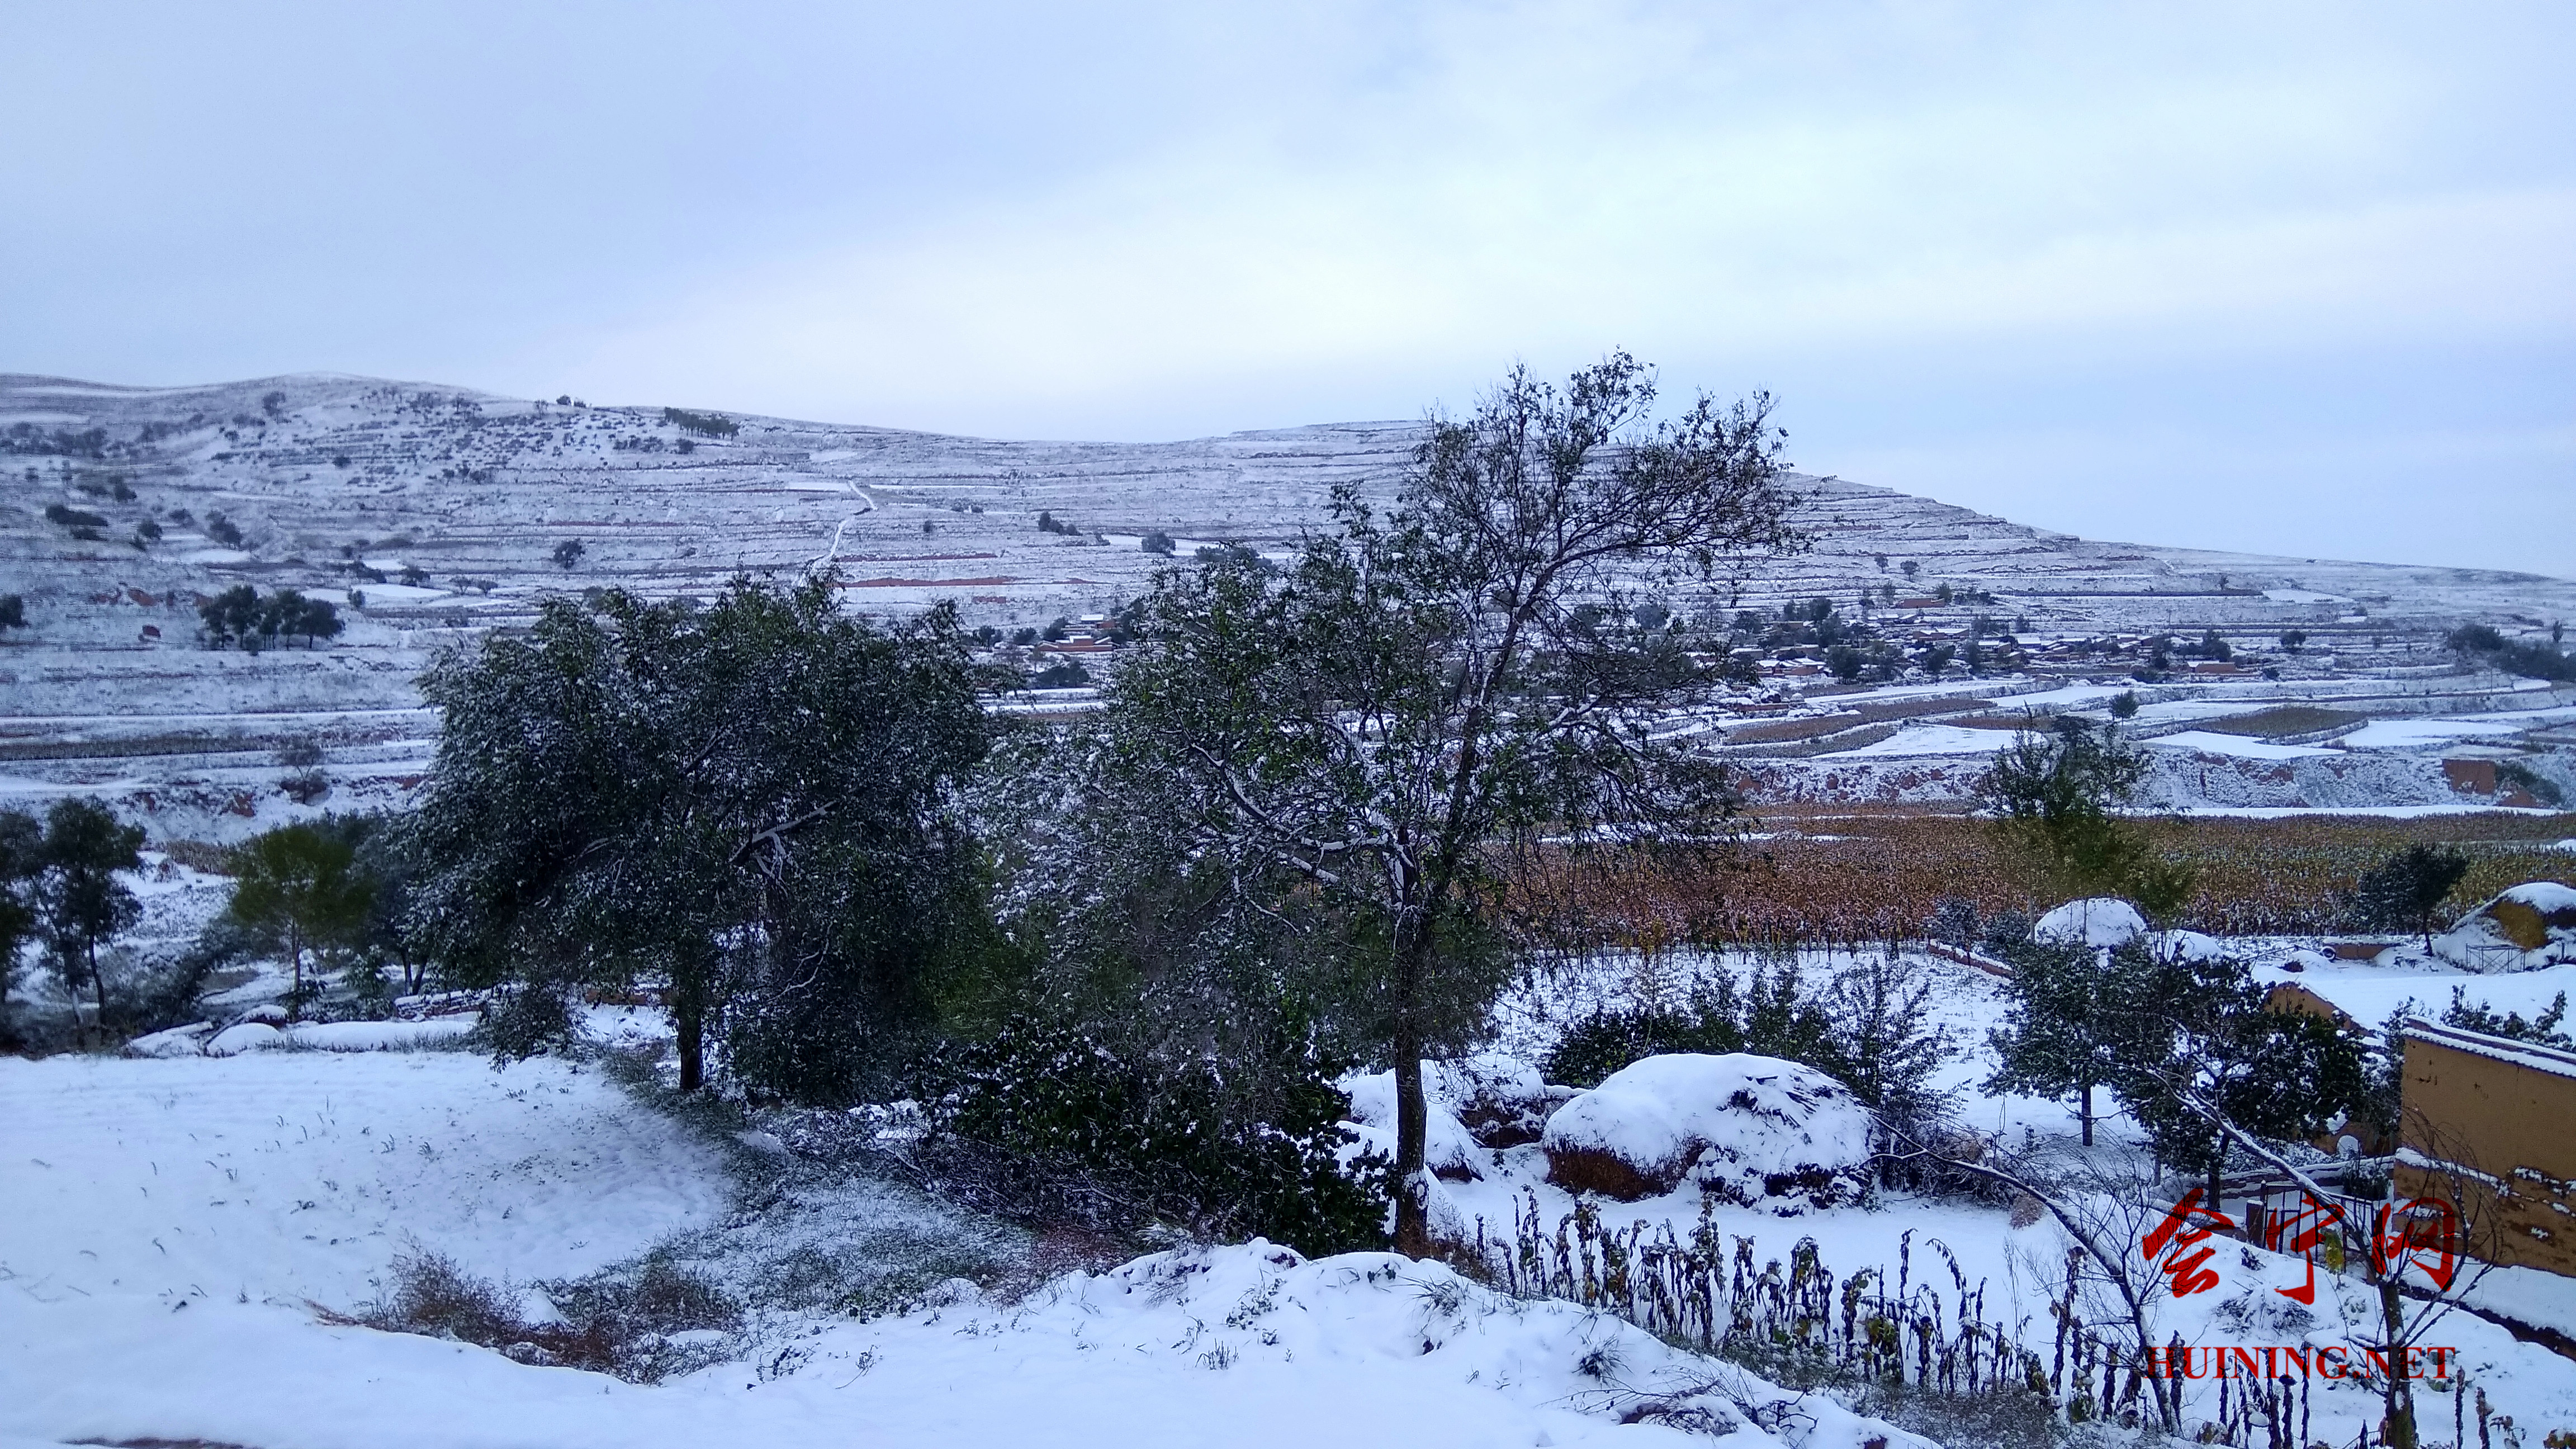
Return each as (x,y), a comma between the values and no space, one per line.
(2178,777)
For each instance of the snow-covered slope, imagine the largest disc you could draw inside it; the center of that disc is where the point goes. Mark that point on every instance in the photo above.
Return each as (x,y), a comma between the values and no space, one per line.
(329,483)
(173,1225)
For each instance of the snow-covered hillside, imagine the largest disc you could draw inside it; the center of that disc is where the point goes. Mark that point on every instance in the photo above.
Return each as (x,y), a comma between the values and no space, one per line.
(446,509)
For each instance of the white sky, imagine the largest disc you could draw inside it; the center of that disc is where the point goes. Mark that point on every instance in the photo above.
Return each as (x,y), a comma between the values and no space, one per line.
(2288,278)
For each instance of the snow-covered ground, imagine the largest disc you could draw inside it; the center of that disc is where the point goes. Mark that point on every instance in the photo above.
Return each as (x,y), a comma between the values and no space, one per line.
(174,1226)
(2022,1266)
(183,1232)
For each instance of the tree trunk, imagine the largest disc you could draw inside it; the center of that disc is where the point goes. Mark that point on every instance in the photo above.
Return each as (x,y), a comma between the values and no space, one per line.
(98,989)
(2400,1432)
(1412,1115)
(2084,1112)
(1412,1184)
(688,1014)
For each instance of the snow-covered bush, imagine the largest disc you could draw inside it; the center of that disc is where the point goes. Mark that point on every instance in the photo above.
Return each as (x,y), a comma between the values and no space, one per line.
(1501,1100)
(1052,1124)
(1867,1027)
(1747,1129)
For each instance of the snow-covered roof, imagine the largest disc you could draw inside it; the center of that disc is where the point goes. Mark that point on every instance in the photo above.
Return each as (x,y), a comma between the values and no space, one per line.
(2371,995)
(2524,1054)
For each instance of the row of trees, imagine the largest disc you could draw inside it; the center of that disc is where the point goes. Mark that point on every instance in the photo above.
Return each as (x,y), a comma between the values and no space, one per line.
(241,616)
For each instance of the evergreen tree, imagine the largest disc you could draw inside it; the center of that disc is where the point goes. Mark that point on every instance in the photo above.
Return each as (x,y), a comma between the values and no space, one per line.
(2055,797)
(21,858)
(2406,891)
(300,888)
(1384,720)
(80,905)
(2079,1017)
(2222,1049)
(743,805)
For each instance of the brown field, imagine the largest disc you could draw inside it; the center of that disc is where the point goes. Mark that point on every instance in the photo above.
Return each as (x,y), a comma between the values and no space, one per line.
(1848,876)
(2289,719)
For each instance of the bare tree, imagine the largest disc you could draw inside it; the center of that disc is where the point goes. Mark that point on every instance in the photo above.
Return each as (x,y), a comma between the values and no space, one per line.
(2405,1319)
(2105,1214)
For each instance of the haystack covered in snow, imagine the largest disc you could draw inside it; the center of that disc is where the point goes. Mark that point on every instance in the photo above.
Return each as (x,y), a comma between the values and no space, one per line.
(2523,929)
(1748,1129)
(2103,921)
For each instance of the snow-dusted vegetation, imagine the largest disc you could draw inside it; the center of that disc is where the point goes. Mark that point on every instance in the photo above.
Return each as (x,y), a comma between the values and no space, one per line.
(728,930)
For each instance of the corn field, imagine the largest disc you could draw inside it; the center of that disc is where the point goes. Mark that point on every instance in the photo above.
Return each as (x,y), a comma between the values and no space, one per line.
(1873,877)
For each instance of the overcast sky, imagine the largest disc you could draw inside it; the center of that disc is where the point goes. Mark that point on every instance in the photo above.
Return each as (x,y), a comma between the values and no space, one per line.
(2284,278)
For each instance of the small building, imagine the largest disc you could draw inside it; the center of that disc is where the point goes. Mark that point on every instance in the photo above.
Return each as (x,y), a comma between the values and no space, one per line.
(2495,1120)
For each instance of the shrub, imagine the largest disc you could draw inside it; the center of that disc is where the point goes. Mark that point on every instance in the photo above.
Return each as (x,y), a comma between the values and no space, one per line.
(2406,891)
(618,1322)
(13,611)
(1066,1127)
(1064,674)
(72,517)
(2480,1017)
(2531,660)
(2538,786)
(1158,542)
(569,552)
(1867,1029)
(222,530)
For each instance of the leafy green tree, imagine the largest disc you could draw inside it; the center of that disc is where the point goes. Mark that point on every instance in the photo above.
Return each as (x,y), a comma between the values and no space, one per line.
(21,858)
(2176,1037)
(300,887)
(231,616)
(2055,795)
(2077,1016)
(80,905)
(1376,728)
(2221,1057)
(2406,891)
(742,804)
(288,612)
